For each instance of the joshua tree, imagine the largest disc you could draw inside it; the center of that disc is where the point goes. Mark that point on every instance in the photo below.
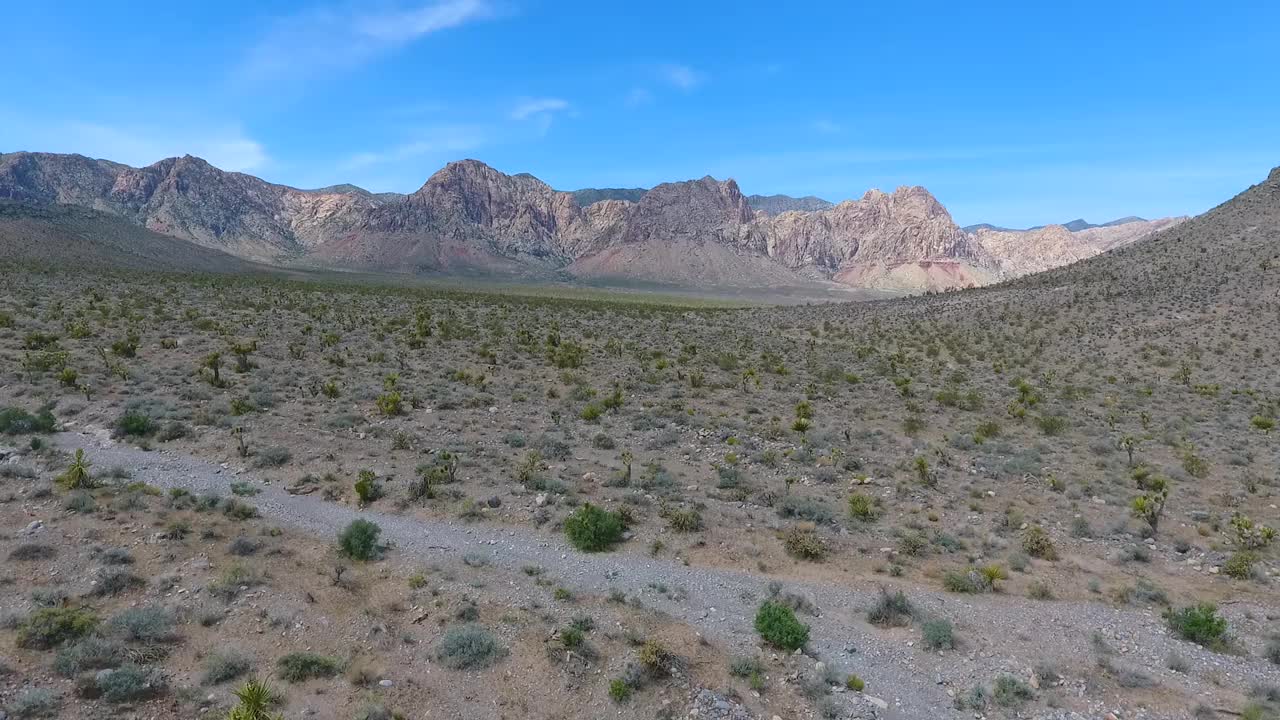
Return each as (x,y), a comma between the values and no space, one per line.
(627,459)
(1129,443)
(213,361)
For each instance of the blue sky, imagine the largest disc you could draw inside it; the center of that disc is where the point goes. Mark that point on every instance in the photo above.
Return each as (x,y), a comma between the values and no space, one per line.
(1011,113)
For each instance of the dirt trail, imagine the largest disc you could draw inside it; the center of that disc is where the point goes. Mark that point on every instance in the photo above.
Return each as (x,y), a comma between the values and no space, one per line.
(998,634)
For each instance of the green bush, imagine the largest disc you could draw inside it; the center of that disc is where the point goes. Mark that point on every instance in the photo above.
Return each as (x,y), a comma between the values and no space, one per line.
(16,421)
(1009,691)
(778,625)
(1199,624)
(863,507)
(49,627)
(302,666)
(135,423)
(804,543)
(619,690)
(469,647)
(593,529)
(938,635)
(359,541)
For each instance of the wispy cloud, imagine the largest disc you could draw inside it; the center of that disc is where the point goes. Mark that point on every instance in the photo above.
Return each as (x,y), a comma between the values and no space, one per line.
(440,141)
(682,76)
(826,127)
(638,96)
(325,39)
(538,106)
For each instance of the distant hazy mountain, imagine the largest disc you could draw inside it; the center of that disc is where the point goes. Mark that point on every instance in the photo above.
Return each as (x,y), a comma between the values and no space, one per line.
(1074,226)
(589,196)
(776,204)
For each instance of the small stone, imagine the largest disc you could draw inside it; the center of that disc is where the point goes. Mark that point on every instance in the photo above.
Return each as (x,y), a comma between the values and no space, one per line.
(385,683)
(540,499)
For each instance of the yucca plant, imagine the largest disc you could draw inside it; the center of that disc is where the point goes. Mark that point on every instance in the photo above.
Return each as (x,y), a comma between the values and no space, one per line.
(255,702)
(77,475)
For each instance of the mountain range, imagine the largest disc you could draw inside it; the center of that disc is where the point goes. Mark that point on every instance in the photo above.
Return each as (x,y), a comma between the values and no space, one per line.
(469,218)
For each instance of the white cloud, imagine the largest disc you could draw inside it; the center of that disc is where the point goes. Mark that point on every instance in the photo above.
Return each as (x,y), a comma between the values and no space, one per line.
(538,106)
(441,141)
(138,145)
(326,38)
(682,76)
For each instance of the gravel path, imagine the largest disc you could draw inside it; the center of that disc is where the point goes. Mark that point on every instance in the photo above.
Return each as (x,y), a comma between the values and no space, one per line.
(998,633)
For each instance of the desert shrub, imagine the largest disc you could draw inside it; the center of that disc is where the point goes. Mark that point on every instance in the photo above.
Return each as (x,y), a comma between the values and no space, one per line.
(224,666)
(135,423)
(16,421)
(145,624)
(855,683)
(33,551)
(619,690)
(811,509)
(113,581)
(243,546)
(1037,543)
(891,609)
(368,490)
(271,457)
(603,442)
(469,647)
(89,653)
(359,541)
(116,556)
(79,501)
(49,627)
(593,529)
(1272,649)
(1051,425)
(744,667)
(863,507)
(1240,564)
(804,543)
(938,635)
(1040,590)
(303,666)
(35,703)
(128,683)
(778,625)
(1199,624)
(1009,691)
(237,510)
(684,520)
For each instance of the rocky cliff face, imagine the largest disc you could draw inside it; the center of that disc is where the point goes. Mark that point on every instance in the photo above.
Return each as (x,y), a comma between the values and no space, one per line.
(470,217)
